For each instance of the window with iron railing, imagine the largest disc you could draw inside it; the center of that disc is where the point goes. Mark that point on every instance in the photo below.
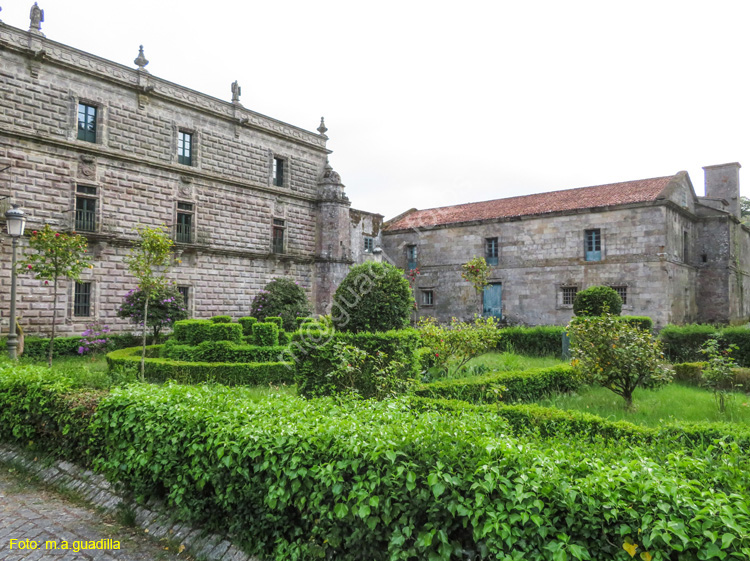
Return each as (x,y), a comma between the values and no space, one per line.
(568,295)
(622,292)
(277,239)
(82,299)
(184,224)
(85,217)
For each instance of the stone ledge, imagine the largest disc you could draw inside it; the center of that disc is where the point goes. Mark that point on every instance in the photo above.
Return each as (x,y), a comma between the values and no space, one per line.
(98,492)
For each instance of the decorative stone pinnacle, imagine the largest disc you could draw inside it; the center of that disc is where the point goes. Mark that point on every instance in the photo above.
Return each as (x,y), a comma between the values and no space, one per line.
(37,17)
(322,129)
(140,60)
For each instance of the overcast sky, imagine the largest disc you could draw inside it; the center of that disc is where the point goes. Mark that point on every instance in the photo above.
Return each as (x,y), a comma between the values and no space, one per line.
(432,103)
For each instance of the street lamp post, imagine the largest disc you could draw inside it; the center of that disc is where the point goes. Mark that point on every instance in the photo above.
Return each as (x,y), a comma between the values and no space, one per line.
(15,220)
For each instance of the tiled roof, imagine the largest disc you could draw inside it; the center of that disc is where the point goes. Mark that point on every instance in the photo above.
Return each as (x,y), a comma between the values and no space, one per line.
(639,191)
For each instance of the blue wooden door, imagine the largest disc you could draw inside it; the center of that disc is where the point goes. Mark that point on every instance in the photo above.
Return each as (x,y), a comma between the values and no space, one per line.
(493,300)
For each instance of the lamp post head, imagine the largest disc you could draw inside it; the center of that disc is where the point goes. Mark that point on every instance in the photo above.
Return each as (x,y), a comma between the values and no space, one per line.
(16,221)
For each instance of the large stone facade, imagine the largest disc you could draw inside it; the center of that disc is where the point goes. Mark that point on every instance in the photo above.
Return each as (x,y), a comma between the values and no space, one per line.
(675,257)
(246,197)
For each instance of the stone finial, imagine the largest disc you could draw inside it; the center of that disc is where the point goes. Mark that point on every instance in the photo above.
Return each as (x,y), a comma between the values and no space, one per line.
(236,92)
(37,17)
(322,129)
(141,61)
(329,175)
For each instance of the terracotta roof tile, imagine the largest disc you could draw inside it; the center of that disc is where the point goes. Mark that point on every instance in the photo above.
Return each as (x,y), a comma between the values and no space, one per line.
(642,190)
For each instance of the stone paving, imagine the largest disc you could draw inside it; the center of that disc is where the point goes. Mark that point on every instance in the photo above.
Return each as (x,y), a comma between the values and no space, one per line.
(34,513)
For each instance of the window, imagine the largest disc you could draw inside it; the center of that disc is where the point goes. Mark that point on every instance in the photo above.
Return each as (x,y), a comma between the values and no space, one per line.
(86,122)
(85,220)
(185,291)
(568,294)
(82,299)
(184,225)
(593,245)
(369,244)
(622,291)
(277,239)
(685,247)
(428,298)
(490,251)
(411,257)
(185,148)
(278,172)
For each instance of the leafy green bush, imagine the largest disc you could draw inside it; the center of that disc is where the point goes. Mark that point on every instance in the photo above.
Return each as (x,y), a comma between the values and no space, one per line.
(281,298)
(227,373)
(247,325)
(277,320)
(688,372)
(315,358)
(221,319)
(615,355)
(596,300)
(508,387)
(165,307)
(740,338)
(542,340)
(192,331)
(225,332)
(456,344)
(266,334)
(220,351)
(642,322)
(36,348)
(683,343)
(302,320)
(372,297)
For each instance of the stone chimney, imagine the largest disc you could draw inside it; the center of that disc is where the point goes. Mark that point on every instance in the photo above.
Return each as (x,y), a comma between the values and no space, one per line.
(723,182)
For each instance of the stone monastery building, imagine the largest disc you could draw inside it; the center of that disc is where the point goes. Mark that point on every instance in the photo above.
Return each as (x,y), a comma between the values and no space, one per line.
(95,147)
(91,146)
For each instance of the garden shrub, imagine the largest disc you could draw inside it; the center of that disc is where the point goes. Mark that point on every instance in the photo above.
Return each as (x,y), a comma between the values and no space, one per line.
(642,322)
(542,340)
(597,300)
(284,338)
(740,337)
(688,372)
(682,343)
(281,298)
(372,297)
(266,334)
(165,307)
(277,320)
(225,332)
(192,331)
(508,387)
(221,319)
(314,356)
(221,351)
(425,358)
(36,348)
(302,320)
(227,373)
(247,325)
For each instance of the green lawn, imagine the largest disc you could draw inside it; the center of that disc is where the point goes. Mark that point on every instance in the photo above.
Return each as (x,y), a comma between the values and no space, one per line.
(671,403)
(505,362)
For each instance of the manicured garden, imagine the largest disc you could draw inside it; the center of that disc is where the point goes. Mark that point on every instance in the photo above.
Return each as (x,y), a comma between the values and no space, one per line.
(355,436)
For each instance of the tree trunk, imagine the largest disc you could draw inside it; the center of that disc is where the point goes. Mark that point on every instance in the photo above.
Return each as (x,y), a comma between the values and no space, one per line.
(628,397)
(143,349)
(54,323)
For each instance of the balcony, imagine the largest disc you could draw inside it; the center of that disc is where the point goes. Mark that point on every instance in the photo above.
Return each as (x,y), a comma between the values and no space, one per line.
(183,233)
(85,221)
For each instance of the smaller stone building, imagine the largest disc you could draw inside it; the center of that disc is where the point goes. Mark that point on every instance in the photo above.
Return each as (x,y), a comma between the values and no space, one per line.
(670,254)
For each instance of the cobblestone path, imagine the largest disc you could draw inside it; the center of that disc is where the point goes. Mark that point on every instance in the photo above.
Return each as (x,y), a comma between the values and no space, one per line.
(30,512)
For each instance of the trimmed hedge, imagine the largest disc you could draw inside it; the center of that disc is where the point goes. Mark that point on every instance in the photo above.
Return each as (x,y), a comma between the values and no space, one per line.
(227,373)
(192,331)
(277,320)
(683,343)
(543,340)
(692,373)
(221,351)
(642,322)
(36,348)
(221,319)
(266,334)
(313,355)
(523,386)
(247,325)
(225,332)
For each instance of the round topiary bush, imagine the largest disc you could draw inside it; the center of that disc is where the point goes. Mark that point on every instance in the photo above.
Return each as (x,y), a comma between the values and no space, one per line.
(372,297)
(595,300)
(281,298)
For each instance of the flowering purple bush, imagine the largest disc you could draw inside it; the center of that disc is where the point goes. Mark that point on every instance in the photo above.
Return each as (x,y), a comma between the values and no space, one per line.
(94,340)
(165,307)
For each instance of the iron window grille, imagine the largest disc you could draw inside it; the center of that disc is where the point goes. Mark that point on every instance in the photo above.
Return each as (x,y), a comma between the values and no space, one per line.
(87,122)
(85,212)
(184,225)
(277,239)
(82,299)
(185,148)
(491,251)
(568,295)
(622,292)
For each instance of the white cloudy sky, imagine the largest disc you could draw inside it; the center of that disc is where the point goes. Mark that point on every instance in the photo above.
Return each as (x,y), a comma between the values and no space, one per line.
(431,103)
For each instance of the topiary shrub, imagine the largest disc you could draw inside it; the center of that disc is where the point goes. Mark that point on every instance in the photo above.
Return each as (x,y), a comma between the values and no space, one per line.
(372,297)
(594,300)
(225,332)
(192,331)
(247,325)
(221,319)
(266,334)
(281,298)
(277,320)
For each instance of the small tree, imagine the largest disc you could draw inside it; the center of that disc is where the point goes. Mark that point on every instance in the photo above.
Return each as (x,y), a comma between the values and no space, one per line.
(596,301)
(616,355)
(165,307)
(281,298)
(57,256)
(149,262)
(372,297)
(717,375)
(477,272)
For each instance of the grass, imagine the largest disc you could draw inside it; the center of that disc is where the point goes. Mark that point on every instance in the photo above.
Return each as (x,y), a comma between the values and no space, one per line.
(504,362)
(672,403)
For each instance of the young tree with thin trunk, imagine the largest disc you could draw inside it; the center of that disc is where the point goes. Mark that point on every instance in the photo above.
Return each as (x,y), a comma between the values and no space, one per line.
(149,262)
(58,255)
(477,272)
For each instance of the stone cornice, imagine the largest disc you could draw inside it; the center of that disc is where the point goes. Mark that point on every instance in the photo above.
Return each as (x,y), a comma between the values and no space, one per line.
(45,51)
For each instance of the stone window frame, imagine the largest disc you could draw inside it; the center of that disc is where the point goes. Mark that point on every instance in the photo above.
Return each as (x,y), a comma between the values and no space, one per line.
(195,146)
(287,169)
(369,238)
(601,244)
(412,256)
(190,290)
(97,197)
(102,110)
(193,212)
(279,223)
(423,292)
(492,259)
(561,290)
(93,308)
